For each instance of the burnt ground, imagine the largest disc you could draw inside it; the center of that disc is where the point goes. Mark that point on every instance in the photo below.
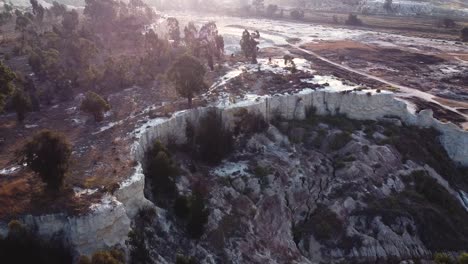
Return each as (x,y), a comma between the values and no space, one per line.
(99,159)
(431,71)
(415,70)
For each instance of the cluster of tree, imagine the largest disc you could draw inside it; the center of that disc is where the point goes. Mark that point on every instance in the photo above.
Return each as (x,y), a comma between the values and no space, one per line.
(6,14)
(69,53)
(160,170)
(204,43)
(249,44)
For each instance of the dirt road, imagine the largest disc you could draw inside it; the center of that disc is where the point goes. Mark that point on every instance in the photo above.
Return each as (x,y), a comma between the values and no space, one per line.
(404,90)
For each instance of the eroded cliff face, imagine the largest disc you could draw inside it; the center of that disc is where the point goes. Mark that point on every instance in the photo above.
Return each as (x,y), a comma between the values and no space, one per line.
(109,222)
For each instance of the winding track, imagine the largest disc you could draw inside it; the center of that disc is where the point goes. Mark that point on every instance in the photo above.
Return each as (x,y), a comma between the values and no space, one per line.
(404,90)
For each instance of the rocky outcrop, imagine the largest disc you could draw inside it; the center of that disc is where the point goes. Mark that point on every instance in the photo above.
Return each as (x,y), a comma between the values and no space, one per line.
(355,105)
(108,222)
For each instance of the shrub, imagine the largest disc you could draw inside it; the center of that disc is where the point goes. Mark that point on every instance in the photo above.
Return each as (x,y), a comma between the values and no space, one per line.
(326,225)
(7,76)
(161,171)
(353,20)
(249,123)
(214,141)
(463,258)
(23,246)
(448,23)
(340,140)
(47,154)
(95,105)
(442,258)
(323,224)
(297,14)
(182,207)
(180,259)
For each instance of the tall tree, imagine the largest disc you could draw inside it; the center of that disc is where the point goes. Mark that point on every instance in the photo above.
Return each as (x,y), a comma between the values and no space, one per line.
(47,153)
(249,44)
(21,104)
(7,76)
(173,30)
(187,75)
(70,21)
(259,5)
(95,105)
(388,6)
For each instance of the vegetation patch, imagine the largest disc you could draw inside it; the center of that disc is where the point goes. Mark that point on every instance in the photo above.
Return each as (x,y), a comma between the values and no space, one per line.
(160,170)
(23,246)
(439,217)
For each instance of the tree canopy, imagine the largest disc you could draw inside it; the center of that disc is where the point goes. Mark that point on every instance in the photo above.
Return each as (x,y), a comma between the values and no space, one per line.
(95,105)
(187,75)
(7,76)
(249,44)
(48,154)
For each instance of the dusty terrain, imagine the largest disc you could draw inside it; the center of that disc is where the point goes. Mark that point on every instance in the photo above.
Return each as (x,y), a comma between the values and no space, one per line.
(264,196)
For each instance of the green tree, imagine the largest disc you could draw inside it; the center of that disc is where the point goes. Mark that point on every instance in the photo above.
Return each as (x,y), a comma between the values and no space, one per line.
(271,10)
(70,20)
(187,74)
(297,14)
(21,104)
(191,38)
(58,9)
(7,76)
(214,140)
(95,105)
(249,44)
(388,6)
(38,10)
(174,30)
(442,258)
(47,153)
(198,216)
(161,170)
